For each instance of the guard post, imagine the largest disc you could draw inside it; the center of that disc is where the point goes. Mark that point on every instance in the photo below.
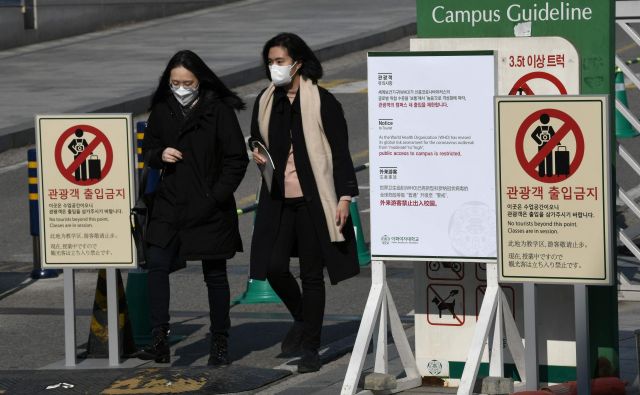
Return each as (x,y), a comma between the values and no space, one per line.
(32,170)
(137,289)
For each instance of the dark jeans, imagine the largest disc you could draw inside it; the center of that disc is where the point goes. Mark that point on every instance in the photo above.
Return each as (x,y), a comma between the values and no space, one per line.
(215,276)
(296,226)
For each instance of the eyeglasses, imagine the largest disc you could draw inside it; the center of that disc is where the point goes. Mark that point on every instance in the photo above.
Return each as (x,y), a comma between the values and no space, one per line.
(186,84)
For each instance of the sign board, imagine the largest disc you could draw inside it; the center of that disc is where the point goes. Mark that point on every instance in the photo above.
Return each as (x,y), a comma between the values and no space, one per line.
(85,184)
(448,300)
(526,66)
(586,24)
(553,189)
(431,155)
(442,347)
(586,30)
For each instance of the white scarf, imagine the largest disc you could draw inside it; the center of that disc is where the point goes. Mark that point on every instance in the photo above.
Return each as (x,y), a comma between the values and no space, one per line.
(316,143)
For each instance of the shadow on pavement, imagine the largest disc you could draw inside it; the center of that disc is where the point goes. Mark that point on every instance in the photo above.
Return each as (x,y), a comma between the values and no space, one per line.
(14,277)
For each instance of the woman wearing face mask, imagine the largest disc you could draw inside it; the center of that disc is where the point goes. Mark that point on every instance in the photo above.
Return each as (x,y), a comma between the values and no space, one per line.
(306,213)
(193,135)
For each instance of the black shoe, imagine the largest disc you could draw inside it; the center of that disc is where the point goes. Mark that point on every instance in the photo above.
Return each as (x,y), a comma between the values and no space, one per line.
(219,351)
(158,350)
(310,362)
(291,345)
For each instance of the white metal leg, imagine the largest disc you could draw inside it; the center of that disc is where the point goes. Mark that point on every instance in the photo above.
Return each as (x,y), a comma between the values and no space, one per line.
(407,357)
(487,312)
(380,305)
(496,363)
(369,316)
(112,319)
(483,326)
(382,358)
(69,318)
(514,339)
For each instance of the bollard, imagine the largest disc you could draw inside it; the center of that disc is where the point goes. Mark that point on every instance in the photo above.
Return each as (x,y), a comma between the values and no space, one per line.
(98,343)
(140,127)
(257,291)
(623,127)
(637,334)
(137,280)
(364,255)
(32,170)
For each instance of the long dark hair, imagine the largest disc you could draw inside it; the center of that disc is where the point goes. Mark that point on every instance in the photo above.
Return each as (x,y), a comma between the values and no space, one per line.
(208,80)
(299,52)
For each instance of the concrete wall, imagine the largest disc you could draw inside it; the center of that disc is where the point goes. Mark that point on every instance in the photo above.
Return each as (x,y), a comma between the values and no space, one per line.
(64,18)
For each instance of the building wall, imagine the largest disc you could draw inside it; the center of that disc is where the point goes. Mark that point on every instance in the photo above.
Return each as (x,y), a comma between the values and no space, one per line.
(64,18)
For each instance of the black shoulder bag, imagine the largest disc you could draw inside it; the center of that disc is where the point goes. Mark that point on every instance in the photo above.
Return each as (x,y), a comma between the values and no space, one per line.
(140,217)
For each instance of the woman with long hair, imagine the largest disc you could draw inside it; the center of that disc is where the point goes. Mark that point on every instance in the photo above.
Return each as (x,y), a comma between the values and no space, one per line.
(194,137)
(305,210)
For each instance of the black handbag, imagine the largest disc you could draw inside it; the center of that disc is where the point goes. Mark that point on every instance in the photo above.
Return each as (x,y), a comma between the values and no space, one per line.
(140,217)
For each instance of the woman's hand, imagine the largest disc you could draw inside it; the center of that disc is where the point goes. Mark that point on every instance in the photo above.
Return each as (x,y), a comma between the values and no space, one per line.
(171,155)
(342,213)
(258,158)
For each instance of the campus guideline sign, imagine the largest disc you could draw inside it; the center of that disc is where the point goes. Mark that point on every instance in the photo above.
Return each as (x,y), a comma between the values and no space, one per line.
(553,189)
(85,185)
(431,147)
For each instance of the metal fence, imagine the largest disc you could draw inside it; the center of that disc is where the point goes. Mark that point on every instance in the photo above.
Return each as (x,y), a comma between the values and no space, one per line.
(628,17)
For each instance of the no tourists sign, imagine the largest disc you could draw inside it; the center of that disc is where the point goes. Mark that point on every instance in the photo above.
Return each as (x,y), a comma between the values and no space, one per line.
(553,189)
(85,185)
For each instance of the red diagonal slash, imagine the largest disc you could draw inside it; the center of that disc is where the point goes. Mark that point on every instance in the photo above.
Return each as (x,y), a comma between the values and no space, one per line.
(100,138)
(441,300)
(522,82)
(523,136)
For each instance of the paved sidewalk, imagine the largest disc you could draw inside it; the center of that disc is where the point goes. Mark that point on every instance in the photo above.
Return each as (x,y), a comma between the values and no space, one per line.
(117,70)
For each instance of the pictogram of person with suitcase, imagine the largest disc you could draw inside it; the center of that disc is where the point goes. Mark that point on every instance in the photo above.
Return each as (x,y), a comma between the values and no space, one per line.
(542,135)
(77,146)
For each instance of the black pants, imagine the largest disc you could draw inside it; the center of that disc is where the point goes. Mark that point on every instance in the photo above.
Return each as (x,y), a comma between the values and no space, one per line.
(215,276)
(545,167)
(307,306)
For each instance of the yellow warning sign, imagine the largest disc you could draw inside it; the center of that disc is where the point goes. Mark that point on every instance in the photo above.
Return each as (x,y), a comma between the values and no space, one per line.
(553,189)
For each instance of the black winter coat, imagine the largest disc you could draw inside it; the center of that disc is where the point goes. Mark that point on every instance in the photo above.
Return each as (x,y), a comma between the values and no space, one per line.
(339,258)
(194,199)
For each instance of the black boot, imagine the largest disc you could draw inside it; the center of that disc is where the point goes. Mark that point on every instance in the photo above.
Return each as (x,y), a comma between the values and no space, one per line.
(158,350)
(293,340)
(219,350)
(310,362)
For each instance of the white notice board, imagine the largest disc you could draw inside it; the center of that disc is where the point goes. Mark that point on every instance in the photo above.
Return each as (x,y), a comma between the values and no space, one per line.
(431,148)
(85,190)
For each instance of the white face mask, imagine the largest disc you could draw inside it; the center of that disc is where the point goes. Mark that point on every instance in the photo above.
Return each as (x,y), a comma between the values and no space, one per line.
(183,95)
(281,75)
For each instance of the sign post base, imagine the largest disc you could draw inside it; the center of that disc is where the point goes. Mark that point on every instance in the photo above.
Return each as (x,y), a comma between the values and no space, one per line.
(494,311)
(379,303)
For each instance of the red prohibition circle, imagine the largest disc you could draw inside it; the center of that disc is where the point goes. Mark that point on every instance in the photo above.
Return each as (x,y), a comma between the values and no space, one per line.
(522,83)
(68,171)
(570,125)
